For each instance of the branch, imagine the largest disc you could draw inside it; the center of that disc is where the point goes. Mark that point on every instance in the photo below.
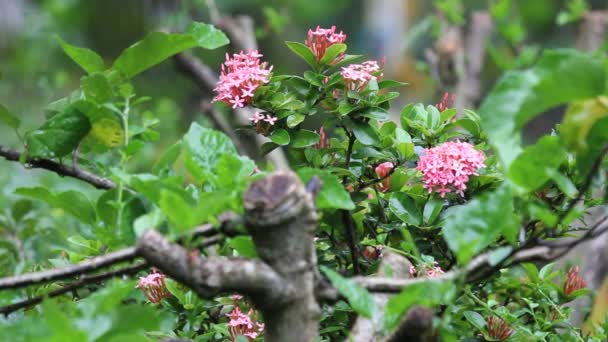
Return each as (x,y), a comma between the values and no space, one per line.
(210,276)
(85,280)
(89,265)
(478,268)
(60,169)
(592,31)
(227,223)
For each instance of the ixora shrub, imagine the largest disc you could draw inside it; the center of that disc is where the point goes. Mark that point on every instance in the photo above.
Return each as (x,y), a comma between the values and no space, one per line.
(440,227)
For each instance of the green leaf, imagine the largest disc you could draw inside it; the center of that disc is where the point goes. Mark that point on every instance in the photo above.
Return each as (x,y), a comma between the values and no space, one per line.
(427,293)
(58,136)
(359,299)
(243,245)
(304,52)
(303,138)
(108,212)
(366,134)
(537,163)
(295,119)
(73,202)
(404,207)
(87,59)
(158,46)
(560,76)
(280,137)
(97,87)
(390,84)
(168,158)
(204,147)
(332,52)
(332,194)
(471,227)
(9,118)
(432,208)
(475,319)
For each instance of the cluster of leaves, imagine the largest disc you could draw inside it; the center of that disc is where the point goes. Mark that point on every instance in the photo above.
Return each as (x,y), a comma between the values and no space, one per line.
(522,194)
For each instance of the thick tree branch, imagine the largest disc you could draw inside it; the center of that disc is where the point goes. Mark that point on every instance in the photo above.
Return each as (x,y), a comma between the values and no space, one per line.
(210,276)
(60,169)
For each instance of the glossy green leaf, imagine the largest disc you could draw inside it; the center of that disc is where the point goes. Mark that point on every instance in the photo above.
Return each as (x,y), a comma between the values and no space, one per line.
(280,137)
(158,46)
(359,298)
(303,138)
(332,194)
(366,134)
(404,207)
(304,52)
(471,227)
(8,118)
(475,319)
(87,59)
(332,52)
(295,119)
(58,136)
(432,209)
(560,76)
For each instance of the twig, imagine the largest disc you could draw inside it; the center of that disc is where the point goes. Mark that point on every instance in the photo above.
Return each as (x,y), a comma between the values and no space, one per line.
(478,268)
(89,265)
(347,219)
(85,280)
(60,169)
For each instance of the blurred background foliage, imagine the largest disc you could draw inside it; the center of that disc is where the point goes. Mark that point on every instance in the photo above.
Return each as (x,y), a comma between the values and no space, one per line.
(34,71)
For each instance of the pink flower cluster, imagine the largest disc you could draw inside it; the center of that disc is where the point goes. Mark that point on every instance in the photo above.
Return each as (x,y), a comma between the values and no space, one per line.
(447,167)
(259,117)
(241,324)
(241,76)
(153,286)
(357,76)
(320,39)
(431,271)
(573,281)
(382,171)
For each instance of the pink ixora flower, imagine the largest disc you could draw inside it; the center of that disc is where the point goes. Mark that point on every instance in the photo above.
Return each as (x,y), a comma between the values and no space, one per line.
(431,271)
(153,286)
(241,76)
(447,167)
(320,39)
(382,171)
(446,102)
(357,76)
(241,324)
(270,119)
(573,281)
(323,141)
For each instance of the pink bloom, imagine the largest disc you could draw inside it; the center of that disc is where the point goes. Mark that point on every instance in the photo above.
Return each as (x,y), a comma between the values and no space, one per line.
(257,117)
(431,271)
(446,102)
(270,119)
(447,167)
(323,143)
(153,286)
(241,76)
(240,324)
(383,170)
(320,39)
(356,76)
(573,281)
